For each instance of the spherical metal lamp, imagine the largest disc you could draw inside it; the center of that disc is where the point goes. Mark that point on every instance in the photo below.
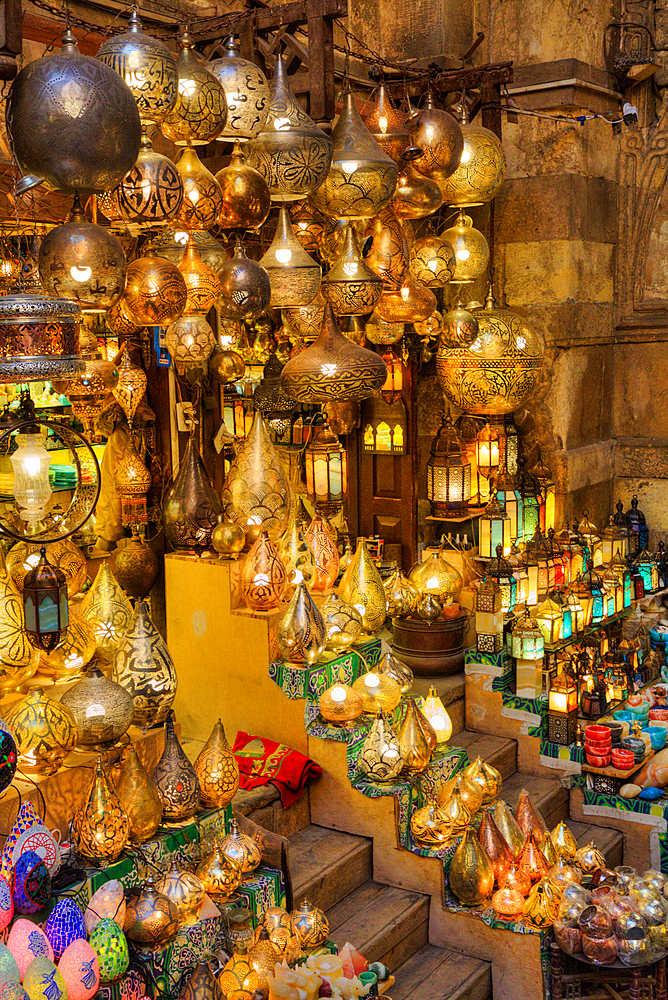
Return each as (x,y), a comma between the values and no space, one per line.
(155,291)
(245,290)
(432,261)
(440,137)
(470,247)
(246,199)
(481,170)
(152,192)
(200,112)
(246,94)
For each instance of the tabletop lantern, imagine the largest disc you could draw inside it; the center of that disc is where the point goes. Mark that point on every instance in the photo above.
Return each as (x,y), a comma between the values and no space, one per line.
(647,568)
(547,491)
(494,529)
(448,471)
(560,597)
(562,709)
(541,554)
(636,524)
(532,500)
(594,697)
(500,570)
(563,540)
(577,611)
(578,553)
(558,558)
(326,464)
(613,592)
(511,498)
(45,604)
(518,564)
(614,541)
(594,583)
(489,617)
(528,648)
(487,447)
(549,620)
(591,538)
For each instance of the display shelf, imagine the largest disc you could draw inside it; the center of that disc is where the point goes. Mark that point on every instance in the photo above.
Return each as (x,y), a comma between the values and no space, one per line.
(613,772)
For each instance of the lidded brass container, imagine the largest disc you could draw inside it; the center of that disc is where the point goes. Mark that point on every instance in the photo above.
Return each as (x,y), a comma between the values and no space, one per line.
(139,798)
(246,199)
(192,507)
(137,567)
(200,112)
(350,286)
(292,153)
(245,290)
(148,68)
(246,94)
(362,177)
(202,197)
(440,137)
(155,292)
(100,826)
(151,192)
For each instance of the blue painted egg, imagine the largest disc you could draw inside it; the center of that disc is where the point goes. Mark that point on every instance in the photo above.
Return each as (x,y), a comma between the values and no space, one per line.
(6,905)
(64,925)
(650,794)
(9,970)
(27,941)
(43,981)
(80,970)
(32,883)
(8,756)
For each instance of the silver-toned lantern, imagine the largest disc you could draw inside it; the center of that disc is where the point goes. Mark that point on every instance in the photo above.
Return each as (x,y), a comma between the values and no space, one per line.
(39,338)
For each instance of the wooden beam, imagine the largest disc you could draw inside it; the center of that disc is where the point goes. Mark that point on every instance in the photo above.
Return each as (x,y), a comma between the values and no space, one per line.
(466,78)
(271,18)
(321,68)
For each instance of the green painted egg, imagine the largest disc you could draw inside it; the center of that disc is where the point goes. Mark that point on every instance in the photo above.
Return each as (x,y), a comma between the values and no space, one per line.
(111,947)
(43,981)
(9,970)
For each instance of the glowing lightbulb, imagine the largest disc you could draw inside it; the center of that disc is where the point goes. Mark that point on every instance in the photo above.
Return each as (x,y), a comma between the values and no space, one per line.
(338,693)
(349,166)
(350,268)
(32,489)
(466,155)
(463,254)
(382,124)
(187,87)
(281,124)
(181,238)
(81,273)
(389,752)
(435,711)
(372,680)
(432,265)
(284,255)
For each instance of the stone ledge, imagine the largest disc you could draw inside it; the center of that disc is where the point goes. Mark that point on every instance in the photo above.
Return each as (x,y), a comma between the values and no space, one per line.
(563,83)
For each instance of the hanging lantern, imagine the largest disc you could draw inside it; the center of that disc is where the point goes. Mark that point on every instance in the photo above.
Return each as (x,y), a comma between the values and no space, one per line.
(500,570)
(130,387)
(190,341)
(45,732)
(270,398)
(350,286)
(263,577)
(362,177)
(148,68)
(246,94)
(333,368)
(133,481)
(494,528)
(226,366)
(301,631)
(448,471)
(392,386)
(291,152)
(202,197)
(170,243)
(325,554)
(432,261)
(200,112)
(70,144)
(155,292)
(151,193)
(388,253)
(481,170)
(246,199)
(388,126)
(471,250)
(88,390)
(500,370)
(459,327)
(137,567)
(82,262)
(415,195)
(255,493)
(326,464)
(309,224)
(412,302)
(487,458)
(294,275)
(40,337)
(378,331)
(245,289)
(192,508)
(119,320)
(440,137)
(45,609)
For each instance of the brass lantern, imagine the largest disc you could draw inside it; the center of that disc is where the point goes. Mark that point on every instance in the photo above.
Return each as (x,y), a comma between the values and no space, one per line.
(351,287)
(481,170)
(151,192)
(148,68)
(470,247)
(246,94)
(82,262)
(448,471)
(202,198)
(489,617)
(245,289)
(362,177)
(200,112)
(326,464)
(387,125)
(130,388)
(389,251)
(133,481)
(459,327)
(392,387)
(309,224)
(246,198)
(202,284)
(292,153)
(432,261)
(190,340)
(255,492)
(562,714)
(155,291)
(294,275)
(440,137)
(45,608)
(415,195)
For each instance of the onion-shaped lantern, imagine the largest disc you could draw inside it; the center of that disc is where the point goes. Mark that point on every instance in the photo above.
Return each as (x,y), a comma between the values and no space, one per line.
(293,274)
(88,390)
(246,94)
(246,199)
(72,122)
(470,247)
(388,254)
(387,125)
(200,112)
(440,137)
(148,68)
(432,261)
(362,177)
(202,197)
(245,290)
(459,327)
(152,192)
(481,170)
(155,291)
(351,287)
(202,284)
(412,302)
(190,341)
(415,195)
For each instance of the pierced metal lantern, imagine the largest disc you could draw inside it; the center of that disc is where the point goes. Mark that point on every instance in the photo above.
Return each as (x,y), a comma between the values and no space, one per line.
(39,338)
(200,112)
(274,403)
(562,714)
(326,464)
(246,94)
(388,127)
(148,68)
(432,261)
(246,199)
(489,617)
(440,138)
(448,471)
(481,170)
(46,614)
(155,291)
(470,247)
(351,287)
(202,197)
(73,123)
(294,275)
(500,570)
(151,192)
(245,289)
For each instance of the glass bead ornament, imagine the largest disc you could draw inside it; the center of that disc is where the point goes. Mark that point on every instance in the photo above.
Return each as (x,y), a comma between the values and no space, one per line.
(80,971)
(325,554)
(176,778)
(245,289)
(111,947)
(263,578)
(432,261)
(45,732)
(470,247)
(301,631)
(144,667)
(439,136)
(350,286)
(202,197)
(130,387)
(64,925)
(155,292)
(184,890)
(151,193)
(148,68)
(100,827)
(387,125)
(255,492)
(72,145)
(82,262)
(362,586)
(291,152)
(139,798)
(380,756)
(388,253)
(333,368)
(200,112)
(294,275)
(246,200)
(340,704)
(217,770)
(459,327)
(246,94)
(103,709)
(500,370)
(482,167)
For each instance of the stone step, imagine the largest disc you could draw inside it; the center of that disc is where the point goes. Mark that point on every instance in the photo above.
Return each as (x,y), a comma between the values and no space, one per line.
(263,806)
(436,974)
(384,923)
(327,866)
(499,751)
(547,795)
(610,842)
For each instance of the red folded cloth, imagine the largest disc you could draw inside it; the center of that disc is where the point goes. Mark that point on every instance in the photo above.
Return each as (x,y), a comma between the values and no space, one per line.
(262,761)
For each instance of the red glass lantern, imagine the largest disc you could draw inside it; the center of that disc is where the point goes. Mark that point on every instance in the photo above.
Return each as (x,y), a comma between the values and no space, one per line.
(326,464)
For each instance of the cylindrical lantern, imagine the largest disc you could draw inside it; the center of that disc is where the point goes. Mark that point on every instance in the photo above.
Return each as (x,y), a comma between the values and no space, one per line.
(494,527)
(326,464)
(448,471)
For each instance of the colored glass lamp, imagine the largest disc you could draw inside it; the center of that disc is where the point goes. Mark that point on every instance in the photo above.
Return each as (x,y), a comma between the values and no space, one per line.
(562,714)
(494,529)
(487,447)
(500,570)
(528,647)
(326,463)
(448,471)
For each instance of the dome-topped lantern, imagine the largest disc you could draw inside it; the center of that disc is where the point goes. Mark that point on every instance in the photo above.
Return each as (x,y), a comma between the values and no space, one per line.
(72,122)
(294,275)
(152,192)
(200,112)
(351,287)
(440,137)
(362,177)
(387,125)
(246,94)
(481,170)
(148,68)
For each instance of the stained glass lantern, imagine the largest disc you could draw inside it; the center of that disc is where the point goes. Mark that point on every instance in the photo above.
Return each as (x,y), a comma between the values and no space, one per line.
(560,598)
(543,476)
(620,567)
(563,539)
(510,497)
(614,540)
(549,620)
(591,538)
(45,604)
(518,565)
(489,617)
(528,647)
(448,471)
(393,385)
(558,558)
(385,427)
(533,509)
(613,595)
(541,554)
(578,553)
(487,459)
(637,526)
(500,570)
(494,527)
(646,566)
(562,714)
(594,698)
(577,611)
(326,464)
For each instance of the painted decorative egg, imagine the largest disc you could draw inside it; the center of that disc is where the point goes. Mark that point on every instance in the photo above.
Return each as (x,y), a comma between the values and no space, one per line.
(6,905)
(9,970)
(43,981)
(32,883)
(108,901)
(40,840)
(80,970)
(27,941)
(12,991)
(64,925)
(8,756)
(27,818)
(109,944)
